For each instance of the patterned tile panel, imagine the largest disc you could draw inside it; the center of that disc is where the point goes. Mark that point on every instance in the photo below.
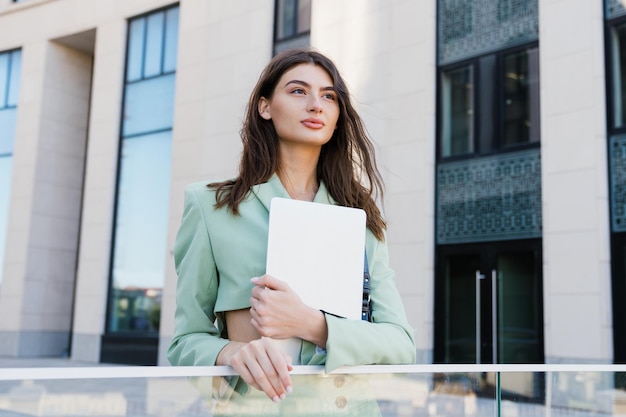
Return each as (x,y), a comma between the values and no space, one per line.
(468,28)
(617,159)
(489,198)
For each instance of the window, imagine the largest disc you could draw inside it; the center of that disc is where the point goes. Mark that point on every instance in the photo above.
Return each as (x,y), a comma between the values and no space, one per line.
(489,104)
(458,112)
(10,65)
(138,266)
(293,24)
(618,38)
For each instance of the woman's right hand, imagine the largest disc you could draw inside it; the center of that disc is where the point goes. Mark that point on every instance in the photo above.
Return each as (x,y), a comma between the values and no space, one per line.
(261,364)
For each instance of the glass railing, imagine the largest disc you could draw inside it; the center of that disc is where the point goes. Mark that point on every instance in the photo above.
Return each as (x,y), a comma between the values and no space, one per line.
(412,390)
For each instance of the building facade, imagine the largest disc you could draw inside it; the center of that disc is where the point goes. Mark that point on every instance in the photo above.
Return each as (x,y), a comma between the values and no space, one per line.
(499,127)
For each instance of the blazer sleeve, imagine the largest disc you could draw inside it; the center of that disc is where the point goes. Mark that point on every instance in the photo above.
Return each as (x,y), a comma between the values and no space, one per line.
(196,338)
(388,338)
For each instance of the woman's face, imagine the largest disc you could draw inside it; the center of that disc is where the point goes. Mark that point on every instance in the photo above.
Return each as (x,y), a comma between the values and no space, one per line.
(303,107)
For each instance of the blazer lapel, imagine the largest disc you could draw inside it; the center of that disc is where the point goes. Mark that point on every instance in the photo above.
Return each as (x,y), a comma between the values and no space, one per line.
(268,190)
(323,196)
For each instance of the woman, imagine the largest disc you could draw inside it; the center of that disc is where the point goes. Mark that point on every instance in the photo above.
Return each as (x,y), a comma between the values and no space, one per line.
(302,139)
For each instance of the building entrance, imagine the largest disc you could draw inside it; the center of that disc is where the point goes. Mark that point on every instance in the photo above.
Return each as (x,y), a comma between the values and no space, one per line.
(489,303)
(489,310)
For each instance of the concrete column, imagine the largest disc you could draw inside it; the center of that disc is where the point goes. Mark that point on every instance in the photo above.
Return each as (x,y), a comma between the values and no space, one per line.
(577,291)
(99,196)
(37,295)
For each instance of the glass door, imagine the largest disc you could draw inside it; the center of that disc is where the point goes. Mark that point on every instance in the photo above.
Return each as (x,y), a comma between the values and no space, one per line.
(489,307)
(518,300)
(489,303)
(618,267)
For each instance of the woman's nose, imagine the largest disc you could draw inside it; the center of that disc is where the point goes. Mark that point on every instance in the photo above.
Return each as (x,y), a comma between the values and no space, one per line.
(314,105)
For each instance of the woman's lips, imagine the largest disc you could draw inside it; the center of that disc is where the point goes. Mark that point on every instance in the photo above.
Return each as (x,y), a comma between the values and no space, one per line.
(313,123)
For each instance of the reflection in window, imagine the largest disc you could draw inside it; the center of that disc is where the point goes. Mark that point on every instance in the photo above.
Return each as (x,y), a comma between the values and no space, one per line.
(152,45)
(457,109)
(293,24)
(138,267)
(10,68)
(619,75)
(521,88)
(149,105)
(140,231)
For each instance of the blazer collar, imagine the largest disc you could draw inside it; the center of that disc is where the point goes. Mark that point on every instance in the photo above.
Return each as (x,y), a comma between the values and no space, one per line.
(274,188)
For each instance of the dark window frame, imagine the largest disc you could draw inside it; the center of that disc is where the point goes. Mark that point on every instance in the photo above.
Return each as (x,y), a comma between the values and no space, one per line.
(484,142)
(4,101)
(121,341)
(162,71)
(297,34)
(617,239)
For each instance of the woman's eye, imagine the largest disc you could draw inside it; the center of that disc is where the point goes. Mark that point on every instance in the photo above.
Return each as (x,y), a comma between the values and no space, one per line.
(297,91)
(329,96)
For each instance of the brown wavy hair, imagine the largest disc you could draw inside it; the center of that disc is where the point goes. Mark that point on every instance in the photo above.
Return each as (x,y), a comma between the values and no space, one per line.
(346,165)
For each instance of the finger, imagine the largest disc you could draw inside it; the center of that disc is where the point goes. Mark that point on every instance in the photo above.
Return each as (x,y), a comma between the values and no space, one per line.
(241,368)
(248,367)
(283,366)
(266,375)
(257,292)
(271,283)
(257,308)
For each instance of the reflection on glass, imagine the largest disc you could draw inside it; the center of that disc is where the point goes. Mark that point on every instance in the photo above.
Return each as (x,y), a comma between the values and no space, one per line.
(286,19)
(134,61)
(293,23)
(520,98)
(10,68)
(171,40)
(154,45)
(460,302)
(618,53)
(519,306)
(4,74)
(457,126)
(140,233)
(7,130)
(149,105)
(139,252)
(401,393)
(14,77)
(304,16)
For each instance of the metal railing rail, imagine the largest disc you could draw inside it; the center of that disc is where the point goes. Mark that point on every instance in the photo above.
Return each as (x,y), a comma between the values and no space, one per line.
(115,371)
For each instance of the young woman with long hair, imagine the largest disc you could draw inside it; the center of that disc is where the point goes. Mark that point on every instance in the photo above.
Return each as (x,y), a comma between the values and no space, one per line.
(302,139)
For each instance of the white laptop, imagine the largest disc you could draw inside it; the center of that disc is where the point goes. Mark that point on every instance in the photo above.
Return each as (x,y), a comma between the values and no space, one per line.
(319,250)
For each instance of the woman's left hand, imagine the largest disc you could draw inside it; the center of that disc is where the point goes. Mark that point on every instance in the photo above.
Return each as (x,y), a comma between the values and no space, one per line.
(278,312)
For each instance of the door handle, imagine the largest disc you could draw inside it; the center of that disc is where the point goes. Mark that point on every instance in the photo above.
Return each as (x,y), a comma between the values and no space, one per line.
(479,276)
(494,317)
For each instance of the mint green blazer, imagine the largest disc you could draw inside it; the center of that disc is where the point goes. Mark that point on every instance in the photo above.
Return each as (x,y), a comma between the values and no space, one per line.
(216,253)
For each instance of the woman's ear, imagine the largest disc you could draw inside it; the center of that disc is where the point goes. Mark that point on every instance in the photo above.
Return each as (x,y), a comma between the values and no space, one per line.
(264,108)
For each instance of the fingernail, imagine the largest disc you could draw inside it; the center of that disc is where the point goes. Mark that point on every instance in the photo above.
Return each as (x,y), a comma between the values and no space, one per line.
(283,396)
(276,399)
(289,389)
(254,279)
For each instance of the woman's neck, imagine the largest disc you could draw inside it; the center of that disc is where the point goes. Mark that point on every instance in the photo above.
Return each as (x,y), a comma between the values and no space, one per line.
(298,174)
